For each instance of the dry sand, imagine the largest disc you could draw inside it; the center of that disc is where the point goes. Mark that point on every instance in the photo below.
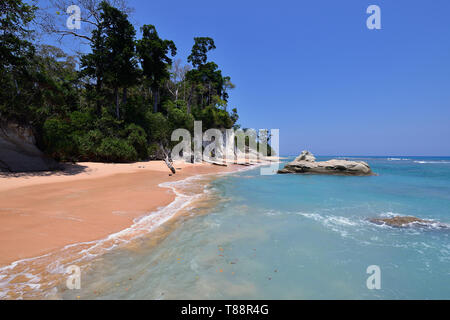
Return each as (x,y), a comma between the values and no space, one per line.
(43,212)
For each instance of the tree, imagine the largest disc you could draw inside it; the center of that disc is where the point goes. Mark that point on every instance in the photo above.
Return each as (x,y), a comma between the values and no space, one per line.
(57,62)
(206,81)
(15,16)
(197,78)
(94,64)
(199,51)
(113,52)
(16,55)
(227,85)
(41,86)
(153,54)
(177,79)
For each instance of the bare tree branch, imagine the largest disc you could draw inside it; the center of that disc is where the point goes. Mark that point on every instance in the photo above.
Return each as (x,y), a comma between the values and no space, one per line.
(178,75)
(52,19)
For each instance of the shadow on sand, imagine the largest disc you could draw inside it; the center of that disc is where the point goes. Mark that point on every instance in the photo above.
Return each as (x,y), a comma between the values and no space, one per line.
(67,169)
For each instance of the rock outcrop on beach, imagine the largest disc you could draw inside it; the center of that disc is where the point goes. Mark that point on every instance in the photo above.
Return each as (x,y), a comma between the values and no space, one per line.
(306,163)
(406,221)
(18,151)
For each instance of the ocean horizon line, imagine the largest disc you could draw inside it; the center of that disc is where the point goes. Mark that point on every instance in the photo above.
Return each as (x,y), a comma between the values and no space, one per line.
(375,156)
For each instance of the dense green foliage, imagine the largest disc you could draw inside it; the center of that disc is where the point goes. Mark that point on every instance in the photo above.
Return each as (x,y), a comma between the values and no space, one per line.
(119,102)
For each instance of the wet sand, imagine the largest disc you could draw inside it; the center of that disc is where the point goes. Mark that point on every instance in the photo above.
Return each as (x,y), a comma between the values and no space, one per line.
(43,212)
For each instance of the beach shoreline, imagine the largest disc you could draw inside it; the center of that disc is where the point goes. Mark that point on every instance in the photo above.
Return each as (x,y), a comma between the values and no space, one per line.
(43,212)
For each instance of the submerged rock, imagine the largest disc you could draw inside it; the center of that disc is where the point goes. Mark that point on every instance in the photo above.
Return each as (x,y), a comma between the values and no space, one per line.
(306,163)
(405,222)
(398,221)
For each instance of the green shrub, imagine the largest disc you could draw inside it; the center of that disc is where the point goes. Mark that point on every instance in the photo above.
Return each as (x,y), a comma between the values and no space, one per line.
(179,118)
(213,117)
(108,124)
(58,139)
(159,127)
(137,137)
(116,150)
(88,144)
(81,121)
(134,110)
(154,152)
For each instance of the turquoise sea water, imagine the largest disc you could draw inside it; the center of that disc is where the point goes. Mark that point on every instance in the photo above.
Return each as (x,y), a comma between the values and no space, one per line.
(296,237)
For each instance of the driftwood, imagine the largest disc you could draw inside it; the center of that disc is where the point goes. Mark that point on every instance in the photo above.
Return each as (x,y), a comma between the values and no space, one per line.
(167,159)
(170,165)
(218,164)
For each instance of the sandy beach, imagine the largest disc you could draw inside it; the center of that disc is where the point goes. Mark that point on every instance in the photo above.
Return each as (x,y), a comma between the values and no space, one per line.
(43,212)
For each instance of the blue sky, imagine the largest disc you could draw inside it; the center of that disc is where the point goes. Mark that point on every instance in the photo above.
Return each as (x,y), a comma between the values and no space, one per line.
(313,70)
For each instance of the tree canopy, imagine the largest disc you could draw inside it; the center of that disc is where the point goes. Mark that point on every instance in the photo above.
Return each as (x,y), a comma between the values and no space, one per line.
(153,54)
(119,102)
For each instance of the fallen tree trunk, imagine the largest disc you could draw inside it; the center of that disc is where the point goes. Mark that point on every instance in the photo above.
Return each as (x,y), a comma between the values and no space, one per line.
(168,160)
(169,165)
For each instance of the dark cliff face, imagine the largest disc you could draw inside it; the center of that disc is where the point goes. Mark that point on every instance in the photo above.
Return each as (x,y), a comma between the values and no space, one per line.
(18,151)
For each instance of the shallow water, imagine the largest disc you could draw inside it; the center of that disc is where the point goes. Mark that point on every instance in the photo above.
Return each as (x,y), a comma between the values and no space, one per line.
(292,237)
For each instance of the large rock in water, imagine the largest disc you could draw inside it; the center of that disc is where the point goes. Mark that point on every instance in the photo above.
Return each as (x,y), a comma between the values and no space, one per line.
(18,151)
(306,164)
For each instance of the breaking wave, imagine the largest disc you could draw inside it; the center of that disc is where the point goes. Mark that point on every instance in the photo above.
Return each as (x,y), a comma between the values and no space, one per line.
(432,162)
